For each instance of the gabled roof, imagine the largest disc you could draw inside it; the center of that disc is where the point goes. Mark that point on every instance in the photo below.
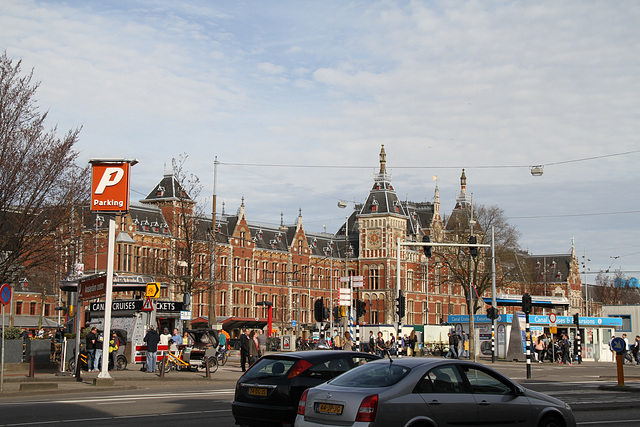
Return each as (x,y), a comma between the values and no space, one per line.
(167,189)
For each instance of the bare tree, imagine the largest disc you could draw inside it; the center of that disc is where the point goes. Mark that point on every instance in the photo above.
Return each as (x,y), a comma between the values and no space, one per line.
(615,290)
(463,268)
(192,231)
(39,183)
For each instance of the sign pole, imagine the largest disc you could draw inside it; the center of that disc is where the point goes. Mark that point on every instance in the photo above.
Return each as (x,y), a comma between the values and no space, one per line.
(108,301)
(5,297)
(2,374)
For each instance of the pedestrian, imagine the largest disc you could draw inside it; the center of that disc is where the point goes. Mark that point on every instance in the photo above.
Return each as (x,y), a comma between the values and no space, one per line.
(262,343)
(222,339)
(152,339)
(380,345)
(348,346)
(98,354)
(114,344)
(165,337)
(412,342)
(186,339)
(245,343)
(613,353)
(90,344)
(464,344)
(545,353)
(372,342)
(539,348)
(566,346)
(453,345)
(634,350)
(337,340)
(626,347)
(254,348)
(176,340)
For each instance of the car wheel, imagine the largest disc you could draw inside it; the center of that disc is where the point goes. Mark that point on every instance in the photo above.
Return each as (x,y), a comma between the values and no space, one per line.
(551,421)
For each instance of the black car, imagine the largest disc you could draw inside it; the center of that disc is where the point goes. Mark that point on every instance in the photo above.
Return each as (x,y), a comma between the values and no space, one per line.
(268,393)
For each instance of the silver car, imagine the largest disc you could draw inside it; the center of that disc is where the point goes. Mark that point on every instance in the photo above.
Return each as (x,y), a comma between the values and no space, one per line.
(428,392)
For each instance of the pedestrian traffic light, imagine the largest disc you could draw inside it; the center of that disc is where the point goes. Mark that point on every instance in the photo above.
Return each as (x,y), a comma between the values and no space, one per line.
(318,310)
(361,308)
(400,305)
(576,319)
(526,303)
(473,250)
(427,249)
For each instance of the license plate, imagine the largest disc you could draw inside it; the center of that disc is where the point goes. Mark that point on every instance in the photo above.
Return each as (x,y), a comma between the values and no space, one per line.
(328,408)
(254,391)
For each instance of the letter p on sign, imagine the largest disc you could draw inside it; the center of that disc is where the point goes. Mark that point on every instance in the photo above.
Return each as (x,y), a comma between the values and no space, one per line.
(110,186)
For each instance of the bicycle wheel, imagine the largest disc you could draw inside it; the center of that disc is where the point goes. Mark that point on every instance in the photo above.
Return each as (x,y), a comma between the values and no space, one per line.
(72,364)
(222,358)
(168,366)
(121,362)
(213,364)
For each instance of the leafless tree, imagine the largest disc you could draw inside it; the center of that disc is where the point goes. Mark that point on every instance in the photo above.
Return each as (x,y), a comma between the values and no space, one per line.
(192,231)
(615,290)
(39,183)
(463,268)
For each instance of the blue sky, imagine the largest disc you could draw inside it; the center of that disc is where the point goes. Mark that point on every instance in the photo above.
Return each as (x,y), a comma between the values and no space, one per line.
(493,87)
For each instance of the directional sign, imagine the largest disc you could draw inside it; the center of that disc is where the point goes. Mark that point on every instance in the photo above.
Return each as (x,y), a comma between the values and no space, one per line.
(148,305)
(5,294)
(618,345)
(153,290)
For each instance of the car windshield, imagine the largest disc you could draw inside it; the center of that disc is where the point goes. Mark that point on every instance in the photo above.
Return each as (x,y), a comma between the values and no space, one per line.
(269,368)
(372,375)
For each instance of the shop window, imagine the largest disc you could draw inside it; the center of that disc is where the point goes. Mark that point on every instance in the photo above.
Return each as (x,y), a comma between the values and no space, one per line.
(626,321)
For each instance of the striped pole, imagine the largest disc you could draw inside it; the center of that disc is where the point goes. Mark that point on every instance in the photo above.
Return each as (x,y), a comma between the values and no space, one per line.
(358,336)
(528,347)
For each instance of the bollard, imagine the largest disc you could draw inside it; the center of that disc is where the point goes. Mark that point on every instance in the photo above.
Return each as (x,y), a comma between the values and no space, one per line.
(79,368)
(32,367)
(207,373)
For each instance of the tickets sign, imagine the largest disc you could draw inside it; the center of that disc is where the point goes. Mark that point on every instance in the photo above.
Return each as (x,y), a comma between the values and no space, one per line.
(110,186)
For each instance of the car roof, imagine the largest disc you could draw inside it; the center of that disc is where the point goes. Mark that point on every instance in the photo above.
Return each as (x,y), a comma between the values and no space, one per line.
(318,355)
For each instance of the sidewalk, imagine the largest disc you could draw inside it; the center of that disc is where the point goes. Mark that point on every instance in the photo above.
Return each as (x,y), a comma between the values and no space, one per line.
(51,382)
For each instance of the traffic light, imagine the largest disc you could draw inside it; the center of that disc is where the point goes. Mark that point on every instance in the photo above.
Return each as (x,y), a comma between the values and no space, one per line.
(361,308)
(492,313)
(71,310)
(427,249)
(336,312)
(318,309)
(526,303)
(400,305)
(576,319)
(473,250)
(325,313)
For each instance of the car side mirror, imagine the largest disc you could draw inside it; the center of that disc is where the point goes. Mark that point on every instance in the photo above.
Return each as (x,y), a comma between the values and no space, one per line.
(519,391)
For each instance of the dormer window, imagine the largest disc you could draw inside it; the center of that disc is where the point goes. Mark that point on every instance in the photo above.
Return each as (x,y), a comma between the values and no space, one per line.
(160,191)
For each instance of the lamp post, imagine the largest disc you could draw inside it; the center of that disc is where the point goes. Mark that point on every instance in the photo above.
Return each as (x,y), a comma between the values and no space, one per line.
(343,204)
(585,269)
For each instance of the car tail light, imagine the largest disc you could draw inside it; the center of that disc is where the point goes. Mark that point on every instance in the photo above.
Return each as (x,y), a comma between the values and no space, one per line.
(368,408)
(298,368)
(303,402)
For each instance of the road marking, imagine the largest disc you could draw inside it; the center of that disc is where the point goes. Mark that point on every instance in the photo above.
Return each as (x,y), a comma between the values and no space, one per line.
(584,423)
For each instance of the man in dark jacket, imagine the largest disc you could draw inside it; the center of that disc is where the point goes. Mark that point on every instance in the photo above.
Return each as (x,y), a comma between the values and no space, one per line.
(152,339)
(92,338)
(245,349)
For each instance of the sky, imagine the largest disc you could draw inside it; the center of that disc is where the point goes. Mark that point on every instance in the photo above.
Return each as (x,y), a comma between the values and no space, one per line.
(296,98)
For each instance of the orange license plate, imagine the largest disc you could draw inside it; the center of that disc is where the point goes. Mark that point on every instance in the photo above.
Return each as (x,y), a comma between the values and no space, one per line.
(254,391)
(328,408)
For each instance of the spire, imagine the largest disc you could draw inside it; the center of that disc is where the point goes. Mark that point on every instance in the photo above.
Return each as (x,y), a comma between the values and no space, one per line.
(436,204)
(463,183)
(299,221)
(463,200)
(383,161)
(241,210)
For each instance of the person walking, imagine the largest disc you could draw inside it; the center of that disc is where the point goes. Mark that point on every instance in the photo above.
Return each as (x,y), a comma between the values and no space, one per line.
(262,343)
(634,350)
(152,339)
(90,343)
(372,343)
(347,346)
(254,348)
(245,343)
(380,345)
(337,340)
(453,345)
(464,344)
(540,349)
(114,345)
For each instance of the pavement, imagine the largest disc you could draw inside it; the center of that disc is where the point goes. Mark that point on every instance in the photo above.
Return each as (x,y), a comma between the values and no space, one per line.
(18,383)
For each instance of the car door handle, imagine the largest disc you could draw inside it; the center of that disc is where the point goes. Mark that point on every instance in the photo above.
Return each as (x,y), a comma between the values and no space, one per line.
(435,402)
(484,403)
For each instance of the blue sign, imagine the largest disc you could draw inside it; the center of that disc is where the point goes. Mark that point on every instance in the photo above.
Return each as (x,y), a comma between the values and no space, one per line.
(293,323)
(535,319)
(618,345)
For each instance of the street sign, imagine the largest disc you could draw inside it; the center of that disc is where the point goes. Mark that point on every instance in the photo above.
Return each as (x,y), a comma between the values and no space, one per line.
(5,294)
(552,319)
(148,305)
(618,345)
(153,290)
(110,186)
(93,288)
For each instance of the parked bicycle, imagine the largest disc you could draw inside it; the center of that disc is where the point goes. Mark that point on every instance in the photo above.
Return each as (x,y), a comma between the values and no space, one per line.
(182,360)
(222,355)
